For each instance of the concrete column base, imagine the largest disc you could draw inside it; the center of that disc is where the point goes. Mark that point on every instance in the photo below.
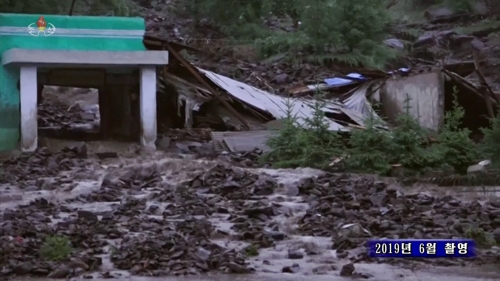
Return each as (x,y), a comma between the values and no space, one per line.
(28,103)
(147,103)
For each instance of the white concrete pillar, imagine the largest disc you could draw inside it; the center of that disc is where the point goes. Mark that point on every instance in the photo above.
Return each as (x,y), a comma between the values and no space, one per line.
(147,103)
(28,103)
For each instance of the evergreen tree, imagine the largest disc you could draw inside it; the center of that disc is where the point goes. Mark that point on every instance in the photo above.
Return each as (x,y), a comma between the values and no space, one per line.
(371,149)
(457,149)
(490,146)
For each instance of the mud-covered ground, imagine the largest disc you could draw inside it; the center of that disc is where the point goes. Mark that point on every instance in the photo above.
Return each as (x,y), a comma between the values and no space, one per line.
(129,212)
(155,215)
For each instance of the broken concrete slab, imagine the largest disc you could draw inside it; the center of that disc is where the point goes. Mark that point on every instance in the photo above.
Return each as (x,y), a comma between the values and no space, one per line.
(242,141)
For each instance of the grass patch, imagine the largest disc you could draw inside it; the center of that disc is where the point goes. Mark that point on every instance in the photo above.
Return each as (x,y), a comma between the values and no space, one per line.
(403,15)
(407,11)
(486,26)
(251,251)
(56,248)
(482,239)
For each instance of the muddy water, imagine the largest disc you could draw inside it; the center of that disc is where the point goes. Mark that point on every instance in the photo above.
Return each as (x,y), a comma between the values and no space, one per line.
(179,170)
(487,191)
(379,273)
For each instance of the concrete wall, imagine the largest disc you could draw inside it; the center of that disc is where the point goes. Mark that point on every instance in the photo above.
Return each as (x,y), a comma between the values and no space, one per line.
(426,93)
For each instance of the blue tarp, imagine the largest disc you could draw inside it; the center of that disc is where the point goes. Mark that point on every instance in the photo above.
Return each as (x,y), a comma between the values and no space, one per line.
(335,81)
(344,81)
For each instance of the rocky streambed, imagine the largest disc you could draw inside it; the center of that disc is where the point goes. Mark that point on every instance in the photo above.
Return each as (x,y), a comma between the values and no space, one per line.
(159,216)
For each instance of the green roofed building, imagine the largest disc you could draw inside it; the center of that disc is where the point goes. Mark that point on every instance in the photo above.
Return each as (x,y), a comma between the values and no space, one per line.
(106,53)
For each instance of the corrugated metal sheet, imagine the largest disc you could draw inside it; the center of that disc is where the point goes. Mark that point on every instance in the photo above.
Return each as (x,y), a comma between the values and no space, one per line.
(356,116)
(357,106)
(271,103)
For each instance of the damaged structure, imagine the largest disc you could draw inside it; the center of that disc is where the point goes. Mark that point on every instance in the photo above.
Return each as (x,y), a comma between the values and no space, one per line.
(190,96)
(145,85)
(427,94)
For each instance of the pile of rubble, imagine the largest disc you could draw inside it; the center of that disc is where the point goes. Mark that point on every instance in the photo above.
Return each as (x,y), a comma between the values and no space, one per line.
(352,209)
(233,184)
(249,159)
(28,168)
(24,230)
(184,249)
(54,114)
(388,212)
(153,228)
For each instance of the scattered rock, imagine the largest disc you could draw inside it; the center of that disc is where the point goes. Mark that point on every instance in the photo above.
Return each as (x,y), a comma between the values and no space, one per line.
(394,43)
(176,234)
(106,155)
(294,268)
(281,78)
(322,269)
(295,255)
(26,169)
(496,235)
(57,114)
(347,270)
(87,215)
(440,13)
(4,198)
(163,143)
(22,269)
(60,273)
(238,268)
(359,275)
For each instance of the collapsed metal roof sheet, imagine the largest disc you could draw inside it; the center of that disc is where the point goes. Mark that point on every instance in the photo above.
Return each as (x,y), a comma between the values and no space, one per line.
(274,104)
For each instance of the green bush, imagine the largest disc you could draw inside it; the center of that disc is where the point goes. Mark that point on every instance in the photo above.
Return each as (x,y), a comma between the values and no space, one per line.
(56,248)
(375,150)
(490,146)
(456,148)
(304,142)
(460,5)
(251,251)
(335,31)
(371,149)
(319,144)
(411,148)
(482,238)
(285,146)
